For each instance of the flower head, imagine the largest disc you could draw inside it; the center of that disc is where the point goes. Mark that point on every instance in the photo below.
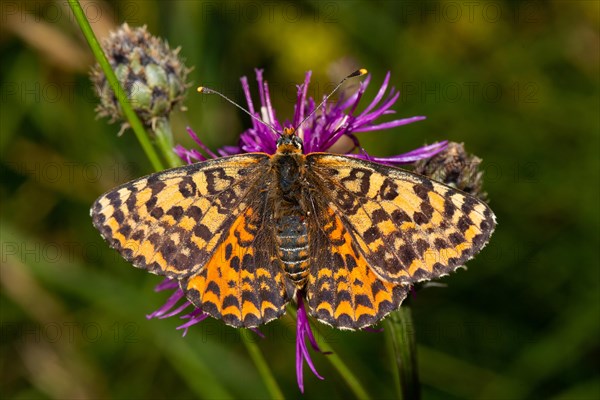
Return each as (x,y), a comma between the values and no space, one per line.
(152,75)
(455,167)
(333,128)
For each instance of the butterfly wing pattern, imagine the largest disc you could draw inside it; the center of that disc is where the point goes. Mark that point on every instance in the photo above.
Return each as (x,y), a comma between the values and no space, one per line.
(383,229)
(202,224)
(408,227)
(243,283)
(370,230)
(342,290)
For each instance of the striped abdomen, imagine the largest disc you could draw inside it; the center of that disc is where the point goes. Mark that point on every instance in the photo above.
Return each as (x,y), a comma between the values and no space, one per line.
(293,247)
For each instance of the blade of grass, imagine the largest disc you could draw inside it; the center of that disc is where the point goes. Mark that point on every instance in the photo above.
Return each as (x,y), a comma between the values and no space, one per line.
(389,342)
(460,378)
(131,116)
(400,330)
(262,366)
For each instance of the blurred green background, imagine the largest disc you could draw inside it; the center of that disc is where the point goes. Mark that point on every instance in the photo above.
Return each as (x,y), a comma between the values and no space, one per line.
(517,82)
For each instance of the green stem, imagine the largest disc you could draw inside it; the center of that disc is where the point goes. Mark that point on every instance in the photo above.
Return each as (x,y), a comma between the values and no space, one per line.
(400,330)
(351,380)
(262,366)
(164,141)
(131,116)
(389,342)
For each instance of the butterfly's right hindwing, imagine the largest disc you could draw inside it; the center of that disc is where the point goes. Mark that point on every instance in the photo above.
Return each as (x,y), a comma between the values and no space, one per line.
(243,283)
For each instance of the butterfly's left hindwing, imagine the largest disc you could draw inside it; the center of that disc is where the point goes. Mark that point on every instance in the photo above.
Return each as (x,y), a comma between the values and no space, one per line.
(408,227)
(171,222)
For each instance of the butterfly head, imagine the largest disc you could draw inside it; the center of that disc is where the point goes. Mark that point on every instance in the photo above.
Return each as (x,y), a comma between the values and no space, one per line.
(289,142)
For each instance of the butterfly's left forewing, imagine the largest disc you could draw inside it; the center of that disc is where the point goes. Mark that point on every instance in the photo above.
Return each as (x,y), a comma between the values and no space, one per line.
(408,227)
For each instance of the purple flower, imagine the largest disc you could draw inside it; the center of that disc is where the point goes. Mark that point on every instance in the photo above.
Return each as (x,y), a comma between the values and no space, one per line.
(332,129)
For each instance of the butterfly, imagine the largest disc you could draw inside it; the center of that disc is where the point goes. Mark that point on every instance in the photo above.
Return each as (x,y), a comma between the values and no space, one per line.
(244,234)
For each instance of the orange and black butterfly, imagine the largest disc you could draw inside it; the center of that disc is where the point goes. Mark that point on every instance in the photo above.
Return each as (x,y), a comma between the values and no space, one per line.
(244,234)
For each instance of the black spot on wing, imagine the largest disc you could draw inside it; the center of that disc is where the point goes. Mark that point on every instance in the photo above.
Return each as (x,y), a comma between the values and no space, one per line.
(176,212)
(407,255)
(422,189)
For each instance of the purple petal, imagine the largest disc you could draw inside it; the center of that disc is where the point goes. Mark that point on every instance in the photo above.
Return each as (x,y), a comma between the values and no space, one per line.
(258,332)
(354,99)
(303,330)
(412,156)
(379,95)
(427,149)
(365,118)
(246,90)
(267,112)
(176,311)
(170,307)
(259,79)
(391,124)
(299,360)
(309,360)
(229,150)
(189,156)
(167,284)
(195,317)
(175,297)
(301,99)
(199,142)
(270,117)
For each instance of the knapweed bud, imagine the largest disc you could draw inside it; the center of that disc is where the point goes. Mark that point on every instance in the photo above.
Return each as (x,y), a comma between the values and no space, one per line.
(454,167)
(152,75)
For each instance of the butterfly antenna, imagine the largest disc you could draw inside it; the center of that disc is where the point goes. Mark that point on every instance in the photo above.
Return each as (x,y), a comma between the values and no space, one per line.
(205,90)
(358,72)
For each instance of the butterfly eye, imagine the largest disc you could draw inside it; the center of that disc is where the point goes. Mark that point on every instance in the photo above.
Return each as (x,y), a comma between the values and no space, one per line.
(297,142)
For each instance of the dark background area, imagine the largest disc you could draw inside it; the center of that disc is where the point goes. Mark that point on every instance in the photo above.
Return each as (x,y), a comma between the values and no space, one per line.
(517,82)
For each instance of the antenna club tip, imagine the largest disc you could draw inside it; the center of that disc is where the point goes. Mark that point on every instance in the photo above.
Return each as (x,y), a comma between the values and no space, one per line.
(358,72)
(201,89)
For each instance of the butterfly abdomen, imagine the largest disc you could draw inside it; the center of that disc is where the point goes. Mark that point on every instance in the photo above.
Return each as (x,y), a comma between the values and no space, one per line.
(292,239)
(292,234)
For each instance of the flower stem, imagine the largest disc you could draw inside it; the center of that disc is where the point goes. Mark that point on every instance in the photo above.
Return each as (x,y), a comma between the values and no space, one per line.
(262,366)
(390,348)
(164,141)
(400,330)
(351,380)
(131,116)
